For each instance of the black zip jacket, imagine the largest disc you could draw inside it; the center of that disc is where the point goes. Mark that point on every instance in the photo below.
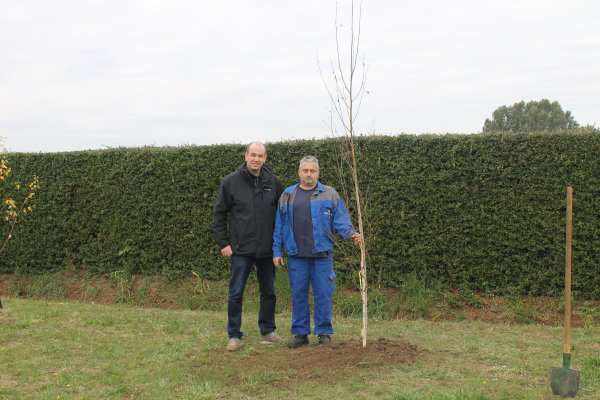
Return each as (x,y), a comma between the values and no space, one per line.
(247,205)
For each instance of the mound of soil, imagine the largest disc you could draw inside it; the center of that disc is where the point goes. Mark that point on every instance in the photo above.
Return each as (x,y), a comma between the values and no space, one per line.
(346,354)
(318,363)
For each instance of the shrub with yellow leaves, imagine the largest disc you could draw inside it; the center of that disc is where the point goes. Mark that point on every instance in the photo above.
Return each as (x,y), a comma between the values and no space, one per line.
(12,210)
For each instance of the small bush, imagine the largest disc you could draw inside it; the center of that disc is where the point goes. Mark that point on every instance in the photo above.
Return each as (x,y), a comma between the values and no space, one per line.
(347,305)
(419,296)
(378,305)
(47,286)
(18,286)
(520,311)
(471,299)
(453,300)
(200,293)
(122,280)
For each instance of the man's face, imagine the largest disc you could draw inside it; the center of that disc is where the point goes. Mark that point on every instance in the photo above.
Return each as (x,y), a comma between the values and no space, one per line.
(255,158)
(309,174)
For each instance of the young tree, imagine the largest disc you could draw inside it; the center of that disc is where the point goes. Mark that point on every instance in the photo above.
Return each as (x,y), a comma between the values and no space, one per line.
(534,116)
(346,95)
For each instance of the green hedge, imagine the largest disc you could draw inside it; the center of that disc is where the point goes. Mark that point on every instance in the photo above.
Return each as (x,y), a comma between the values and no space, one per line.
(483,212)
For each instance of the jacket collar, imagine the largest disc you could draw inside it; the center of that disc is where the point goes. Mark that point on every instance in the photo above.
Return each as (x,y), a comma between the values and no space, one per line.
(264,170)
(320,187)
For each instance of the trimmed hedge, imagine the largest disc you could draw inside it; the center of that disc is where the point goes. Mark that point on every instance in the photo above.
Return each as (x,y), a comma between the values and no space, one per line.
(484,212)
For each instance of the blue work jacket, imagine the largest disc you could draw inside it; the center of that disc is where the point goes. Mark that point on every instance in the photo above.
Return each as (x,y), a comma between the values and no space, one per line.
(329,215)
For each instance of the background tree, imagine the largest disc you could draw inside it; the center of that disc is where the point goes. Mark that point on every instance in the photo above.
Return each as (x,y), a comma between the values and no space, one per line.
(12,210)
(534,116)
(16,199)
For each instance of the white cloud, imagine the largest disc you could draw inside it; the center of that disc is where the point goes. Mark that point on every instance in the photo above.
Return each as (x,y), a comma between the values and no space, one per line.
(87,74)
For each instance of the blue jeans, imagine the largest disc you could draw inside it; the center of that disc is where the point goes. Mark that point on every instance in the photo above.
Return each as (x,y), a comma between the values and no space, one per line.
(318,272)
(265,272)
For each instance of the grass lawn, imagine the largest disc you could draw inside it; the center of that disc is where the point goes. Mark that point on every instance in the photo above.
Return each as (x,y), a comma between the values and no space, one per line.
(72,350)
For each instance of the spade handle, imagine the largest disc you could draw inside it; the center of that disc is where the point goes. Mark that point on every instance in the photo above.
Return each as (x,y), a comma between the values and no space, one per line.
(569,238)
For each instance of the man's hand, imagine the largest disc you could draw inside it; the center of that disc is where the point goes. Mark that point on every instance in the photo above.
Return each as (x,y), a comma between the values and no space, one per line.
(278,261)
(226,251)
(357,238)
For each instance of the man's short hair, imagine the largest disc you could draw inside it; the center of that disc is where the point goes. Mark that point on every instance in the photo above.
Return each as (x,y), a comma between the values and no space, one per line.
(312,159)
(258,143)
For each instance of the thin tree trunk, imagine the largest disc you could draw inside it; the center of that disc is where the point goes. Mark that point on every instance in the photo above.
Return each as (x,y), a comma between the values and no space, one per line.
(344,99)
(363,262)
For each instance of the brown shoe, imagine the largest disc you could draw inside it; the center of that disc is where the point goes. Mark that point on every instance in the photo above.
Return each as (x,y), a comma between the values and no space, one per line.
(270,338)
(234,344)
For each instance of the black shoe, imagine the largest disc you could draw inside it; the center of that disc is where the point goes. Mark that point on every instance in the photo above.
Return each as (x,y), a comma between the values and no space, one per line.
(324,338)
(298,341)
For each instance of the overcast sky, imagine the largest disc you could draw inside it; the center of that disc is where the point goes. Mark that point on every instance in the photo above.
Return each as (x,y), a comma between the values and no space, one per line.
(87,74)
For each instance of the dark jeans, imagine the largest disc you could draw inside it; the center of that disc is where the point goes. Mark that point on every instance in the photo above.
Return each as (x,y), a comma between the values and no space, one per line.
(265,272)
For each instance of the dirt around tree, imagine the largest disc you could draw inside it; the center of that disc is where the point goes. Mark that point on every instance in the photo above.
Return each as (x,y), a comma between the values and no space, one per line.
(331,363)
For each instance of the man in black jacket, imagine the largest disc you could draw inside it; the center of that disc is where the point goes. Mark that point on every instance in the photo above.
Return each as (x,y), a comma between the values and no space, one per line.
(246,204)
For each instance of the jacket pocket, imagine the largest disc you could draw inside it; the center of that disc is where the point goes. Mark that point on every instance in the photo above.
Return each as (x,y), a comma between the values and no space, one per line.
(233,237)
(331,277)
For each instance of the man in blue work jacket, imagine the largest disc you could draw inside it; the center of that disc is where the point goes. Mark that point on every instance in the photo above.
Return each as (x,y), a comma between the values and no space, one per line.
(308,214)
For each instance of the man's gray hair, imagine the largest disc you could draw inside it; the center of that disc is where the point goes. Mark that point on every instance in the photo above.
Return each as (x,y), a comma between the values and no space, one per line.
(312,159)
(256,143)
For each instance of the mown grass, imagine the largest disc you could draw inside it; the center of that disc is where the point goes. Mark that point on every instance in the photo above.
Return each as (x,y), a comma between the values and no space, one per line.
(70,350)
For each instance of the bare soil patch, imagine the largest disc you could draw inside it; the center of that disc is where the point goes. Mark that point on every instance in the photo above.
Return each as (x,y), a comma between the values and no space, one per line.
(318,363)
(344,354)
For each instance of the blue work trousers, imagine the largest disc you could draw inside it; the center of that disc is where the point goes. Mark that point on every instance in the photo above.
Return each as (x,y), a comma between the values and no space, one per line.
(318,273)
(265,272)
